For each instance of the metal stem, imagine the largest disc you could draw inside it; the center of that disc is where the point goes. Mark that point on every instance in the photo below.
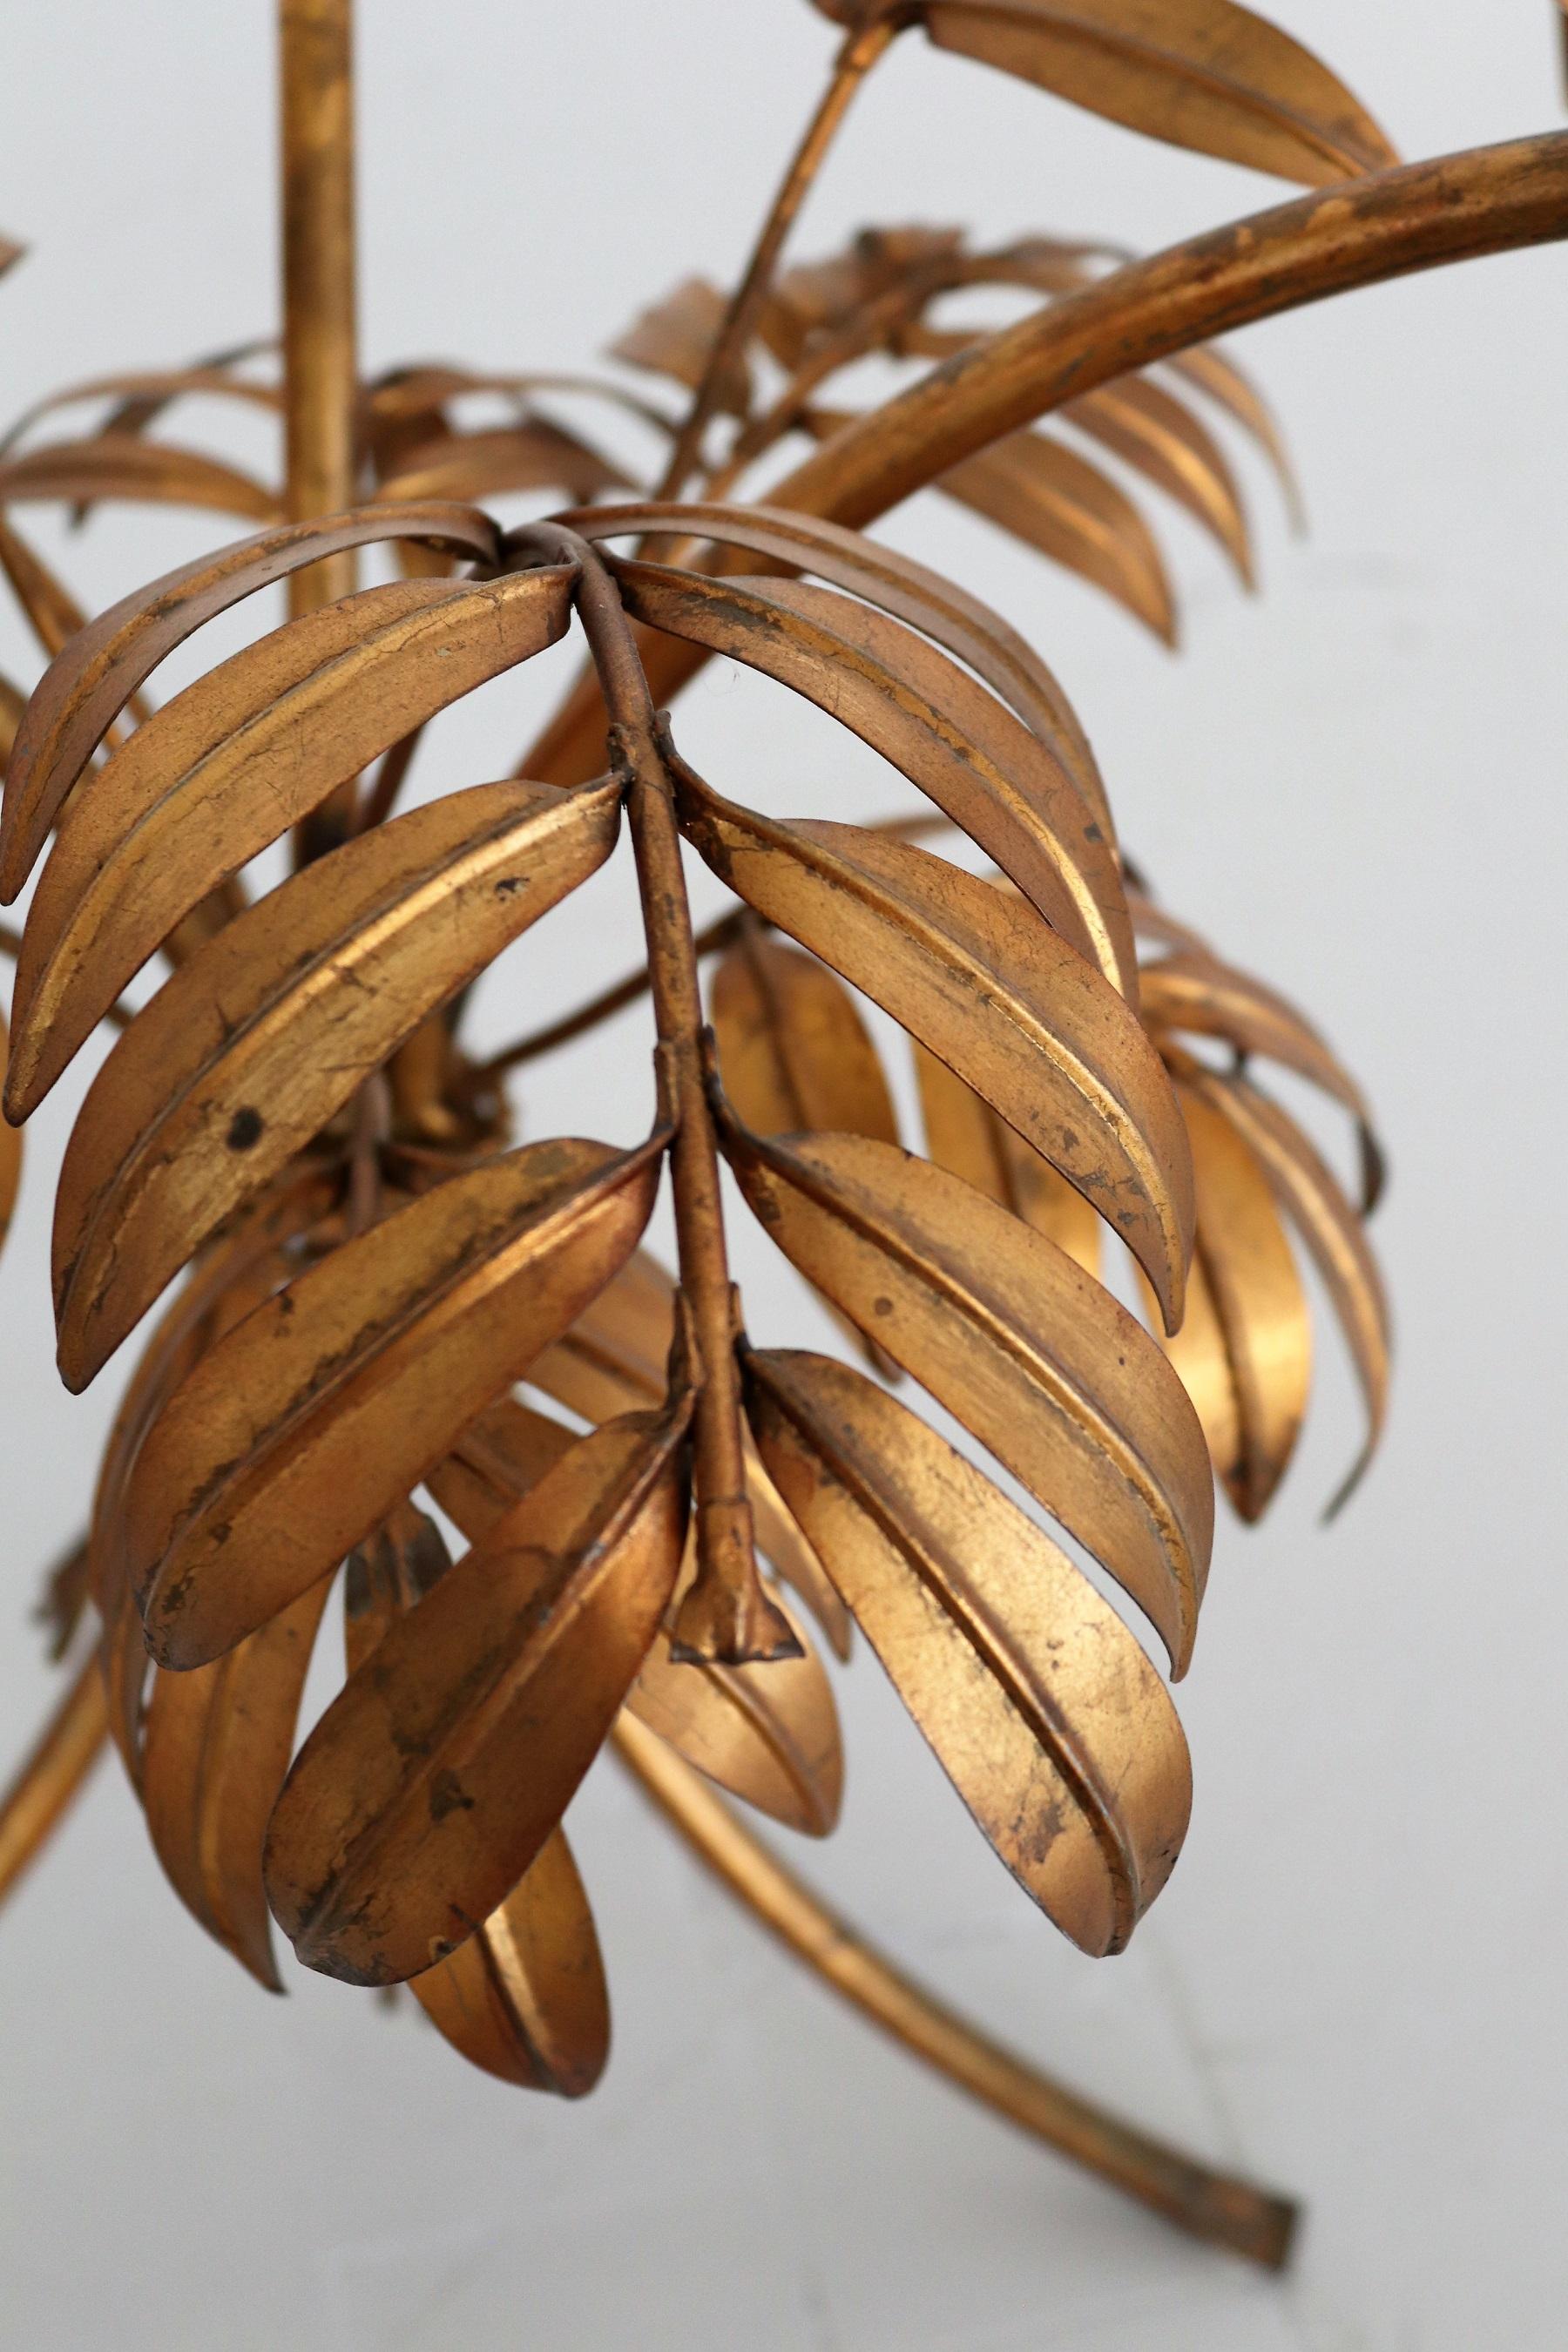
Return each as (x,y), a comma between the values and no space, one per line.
(320,362)
(63,1755)
(726,1615)
(856,58)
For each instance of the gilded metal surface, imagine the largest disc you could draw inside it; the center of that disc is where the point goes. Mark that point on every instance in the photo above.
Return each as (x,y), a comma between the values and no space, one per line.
(293,1124)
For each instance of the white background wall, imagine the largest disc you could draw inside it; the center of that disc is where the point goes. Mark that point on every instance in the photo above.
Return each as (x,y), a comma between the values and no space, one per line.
(1354,1985)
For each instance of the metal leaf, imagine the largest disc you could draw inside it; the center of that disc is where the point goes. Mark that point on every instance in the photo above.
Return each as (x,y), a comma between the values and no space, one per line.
(534,455)
(767,1733)
(614,1360)
(952,738)
(1153,431)
(123,465)
(295,1433)
(895,584)
(1038,1703)
(526,1997)
(1203,74)
(1330,1230)
(93,679)
(1259,1304)
(1193,992)
(1035,1360)
(435,1777)
(253,746)
(270,1026)
(1056,501)
(215,1751)
(965,1136)
(976,977)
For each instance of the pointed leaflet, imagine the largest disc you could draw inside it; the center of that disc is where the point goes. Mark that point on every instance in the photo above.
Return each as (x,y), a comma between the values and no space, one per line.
(92,680)
(613,1360)
(120,466)
(1251,1278)
(1202,1365)
(964,1136)
(1217,376)
(142,396)
(234,1277)
(795,1051)
(271,1026)
(767,1733)
(433,1779)
(1201,74)
(528,457)
(895,584)
(792,1050)
(299,1431)
(526,1997)
(975,976)
(1046,495)
(1194,991)
(674,337)
(952,738)
(215,1751)
(1026,1351)
(253,746)
(1153,431)
(1038,1703)
(1330,1228)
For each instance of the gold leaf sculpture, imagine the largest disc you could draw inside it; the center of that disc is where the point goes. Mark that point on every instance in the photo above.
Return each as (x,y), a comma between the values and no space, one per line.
(292,1153)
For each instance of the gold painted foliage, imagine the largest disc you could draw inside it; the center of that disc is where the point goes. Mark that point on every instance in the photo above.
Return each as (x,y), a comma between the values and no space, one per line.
(378,1344)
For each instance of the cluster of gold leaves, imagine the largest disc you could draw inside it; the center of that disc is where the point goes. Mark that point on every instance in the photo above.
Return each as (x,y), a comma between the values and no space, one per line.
(372,1269)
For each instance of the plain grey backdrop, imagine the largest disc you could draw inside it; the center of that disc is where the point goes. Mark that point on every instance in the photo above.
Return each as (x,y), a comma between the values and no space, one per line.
(1353,1986)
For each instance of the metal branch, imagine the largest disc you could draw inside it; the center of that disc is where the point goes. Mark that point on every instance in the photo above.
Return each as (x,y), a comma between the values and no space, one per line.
(726,1615)
(858,54)
(320,361)
(63,1755)
(1488,200)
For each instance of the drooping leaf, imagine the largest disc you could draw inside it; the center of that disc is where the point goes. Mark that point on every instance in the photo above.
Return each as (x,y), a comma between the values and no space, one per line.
(949,735)
(526,1997)
(124,465)
(965,1136)
(435,1777)
(1038,1703)
(1261,1312)
(1203,74)
(1330,1230)
(298,1431)
(1046,495)
(86,686)
(1035,1360)
(895,584)
(253,746)
(793,1052)
(1158,435)
(1193,991)
(977,977)
(614,1360)
(216,1747)
(768,1733)
(674,337)
(270,1027)
(533,456)
(50,1775)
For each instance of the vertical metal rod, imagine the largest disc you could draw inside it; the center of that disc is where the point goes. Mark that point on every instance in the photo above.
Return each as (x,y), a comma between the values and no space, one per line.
(315,40)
